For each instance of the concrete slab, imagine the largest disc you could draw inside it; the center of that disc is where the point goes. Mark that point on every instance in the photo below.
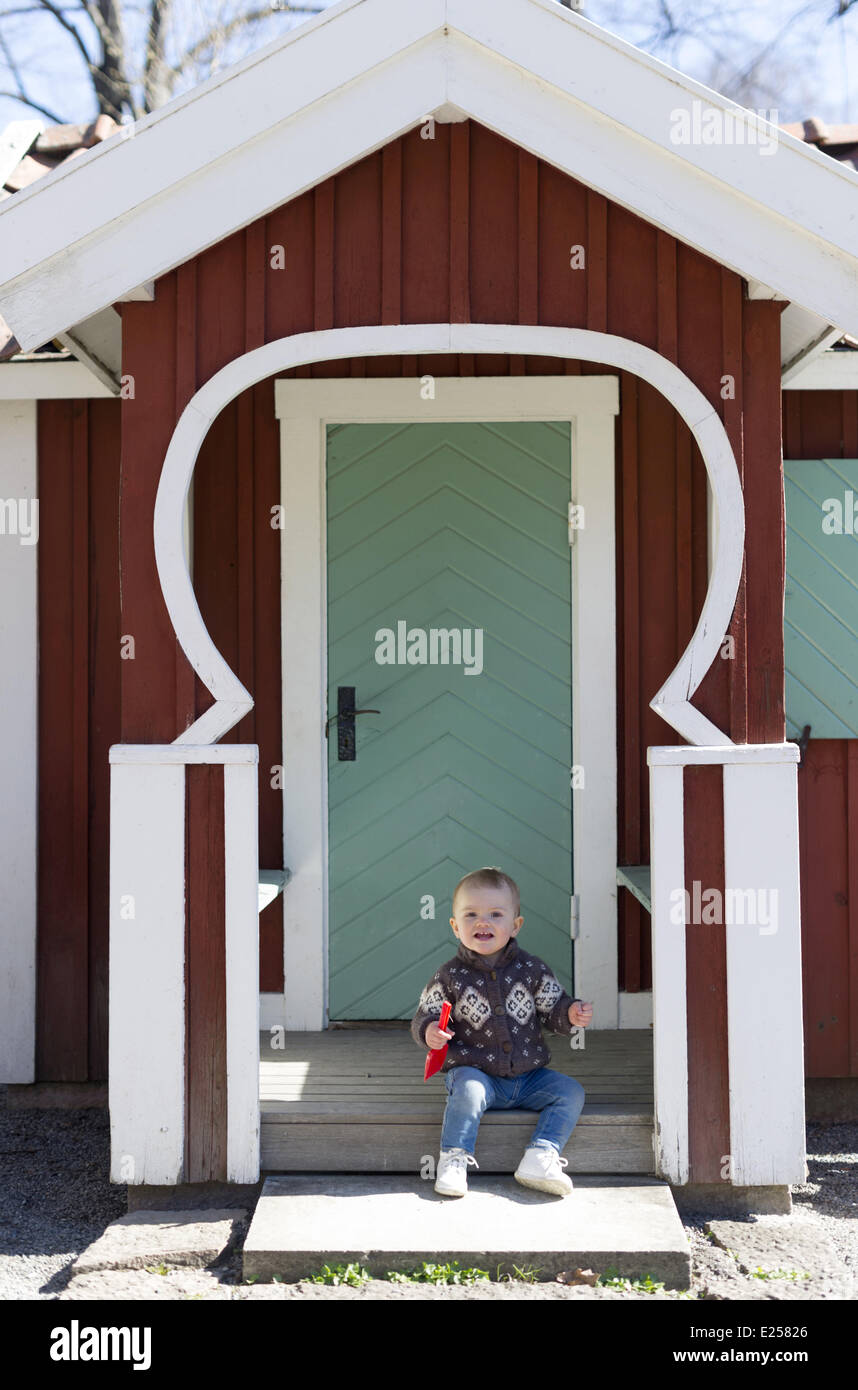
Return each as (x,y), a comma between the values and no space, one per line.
(790,1257)
(723,1199)
(394,1223)
(188,1238)
(133,1285)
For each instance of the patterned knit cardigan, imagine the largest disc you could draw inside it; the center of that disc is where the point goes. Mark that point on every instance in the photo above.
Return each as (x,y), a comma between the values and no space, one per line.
(498,1010)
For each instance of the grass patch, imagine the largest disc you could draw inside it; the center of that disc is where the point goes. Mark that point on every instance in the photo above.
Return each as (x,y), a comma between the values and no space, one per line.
(519,1275)
(612,1279)
(430,1273)
(351,1274)
(354,1275)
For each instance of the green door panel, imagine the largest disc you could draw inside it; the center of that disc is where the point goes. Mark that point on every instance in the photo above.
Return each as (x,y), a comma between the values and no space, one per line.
(821,599)
(457,527)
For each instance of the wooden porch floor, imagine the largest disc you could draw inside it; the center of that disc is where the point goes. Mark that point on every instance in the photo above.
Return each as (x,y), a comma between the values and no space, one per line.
(354,1100)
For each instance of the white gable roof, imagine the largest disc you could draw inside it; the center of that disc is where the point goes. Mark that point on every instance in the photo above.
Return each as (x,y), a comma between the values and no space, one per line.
(365,72)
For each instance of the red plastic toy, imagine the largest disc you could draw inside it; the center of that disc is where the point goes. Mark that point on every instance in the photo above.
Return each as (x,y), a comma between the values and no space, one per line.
(435,1057)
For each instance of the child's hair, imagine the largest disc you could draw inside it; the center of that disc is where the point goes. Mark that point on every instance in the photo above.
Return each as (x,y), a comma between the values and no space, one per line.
(488,878)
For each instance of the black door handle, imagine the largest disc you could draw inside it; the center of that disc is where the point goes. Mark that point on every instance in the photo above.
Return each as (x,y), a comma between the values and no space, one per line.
(345,721)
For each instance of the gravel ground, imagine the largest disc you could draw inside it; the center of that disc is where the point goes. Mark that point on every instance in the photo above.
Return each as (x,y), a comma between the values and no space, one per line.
(55,1200)
(830,1195)
(54,1195)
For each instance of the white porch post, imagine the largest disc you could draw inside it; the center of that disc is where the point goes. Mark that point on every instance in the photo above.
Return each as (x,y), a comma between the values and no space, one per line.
(18,739)
(148,893)
(146,1067)
(765,1035)
(761,917)
(669,999)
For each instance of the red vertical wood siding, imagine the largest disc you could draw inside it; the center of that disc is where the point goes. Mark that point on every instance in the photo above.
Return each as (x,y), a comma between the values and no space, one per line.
(824,424)
(706,977)
(79,673)
(205,1008)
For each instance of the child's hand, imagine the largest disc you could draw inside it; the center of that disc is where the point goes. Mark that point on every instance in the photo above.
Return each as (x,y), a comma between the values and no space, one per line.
(580,1014)
(436,1037)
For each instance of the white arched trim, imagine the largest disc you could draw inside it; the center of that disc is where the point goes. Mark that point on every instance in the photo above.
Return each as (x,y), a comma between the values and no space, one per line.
(232,701)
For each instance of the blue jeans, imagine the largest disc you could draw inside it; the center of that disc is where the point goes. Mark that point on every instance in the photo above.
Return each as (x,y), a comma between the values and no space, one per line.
(471,1092)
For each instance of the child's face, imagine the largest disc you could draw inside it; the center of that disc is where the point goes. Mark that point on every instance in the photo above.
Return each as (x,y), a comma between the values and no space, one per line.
(484,920)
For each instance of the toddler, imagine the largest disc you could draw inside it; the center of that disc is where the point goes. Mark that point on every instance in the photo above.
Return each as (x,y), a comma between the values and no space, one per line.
(496,1059)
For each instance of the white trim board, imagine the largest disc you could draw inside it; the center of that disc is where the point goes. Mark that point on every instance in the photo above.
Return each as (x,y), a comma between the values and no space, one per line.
(367,71)
(304,408)
(146,1086)
(272,1010)
(669,987)
(50,381)
(241,928)
(765,1038)
(832,370)
(232,700)
(635,1009)
(19,701)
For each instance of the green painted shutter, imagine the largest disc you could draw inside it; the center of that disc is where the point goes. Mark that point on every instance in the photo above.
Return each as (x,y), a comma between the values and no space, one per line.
(446,526)
(821,600)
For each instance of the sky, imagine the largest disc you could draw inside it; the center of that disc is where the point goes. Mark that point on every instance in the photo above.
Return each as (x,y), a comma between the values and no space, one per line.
(809,65)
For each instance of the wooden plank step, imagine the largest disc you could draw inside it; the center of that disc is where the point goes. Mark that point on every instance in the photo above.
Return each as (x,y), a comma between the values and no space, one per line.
(353,1100)
(403,1147)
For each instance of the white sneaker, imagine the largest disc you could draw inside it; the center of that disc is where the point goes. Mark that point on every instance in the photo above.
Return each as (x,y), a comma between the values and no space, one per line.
(452,1178)
(542,1168)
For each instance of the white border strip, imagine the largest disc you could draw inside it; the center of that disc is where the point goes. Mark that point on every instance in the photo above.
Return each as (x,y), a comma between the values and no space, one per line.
(669,999)
(50,381)
(588,405)
(160,754)
(232,701)
(635,1009)
(241,857)
(147,975)
(755,753)
(832,370)
(594,710)
(303,576)
(19,701)
(764,1004)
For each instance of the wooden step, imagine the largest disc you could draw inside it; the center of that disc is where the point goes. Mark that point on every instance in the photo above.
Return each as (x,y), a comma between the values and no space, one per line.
(354,1101)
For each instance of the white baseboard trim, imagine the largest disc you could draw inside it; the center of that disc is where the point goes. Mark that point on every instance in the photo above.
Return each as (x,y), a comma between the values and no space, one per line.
(272,1010)
(636,1009)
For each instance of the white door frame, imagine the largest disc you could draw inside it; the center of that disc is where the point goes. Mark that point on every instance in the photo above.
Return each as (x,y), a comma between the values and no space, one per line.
(304,408)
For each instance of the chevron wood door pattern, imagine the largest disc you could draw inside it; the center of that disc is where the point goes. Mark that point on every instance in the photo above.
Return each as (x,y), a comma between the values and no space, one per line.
(821,600)
(456,527)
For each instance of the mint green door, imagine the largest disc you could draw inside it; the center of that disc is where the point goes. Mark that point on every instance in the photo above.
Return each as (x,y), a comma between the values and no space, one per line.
(449,576)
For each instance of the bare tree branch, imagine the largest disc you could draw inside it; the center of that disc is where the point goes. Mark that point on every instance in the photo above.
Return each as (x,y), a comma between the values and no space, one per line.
(35,106)
(59,16)
(37,9)
(157,75)
(221,33)
(21,94)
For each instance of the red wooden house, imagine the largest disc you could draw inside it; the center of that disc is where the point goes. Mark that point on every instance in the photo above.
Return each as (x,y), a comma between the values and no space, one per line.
(225,323)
